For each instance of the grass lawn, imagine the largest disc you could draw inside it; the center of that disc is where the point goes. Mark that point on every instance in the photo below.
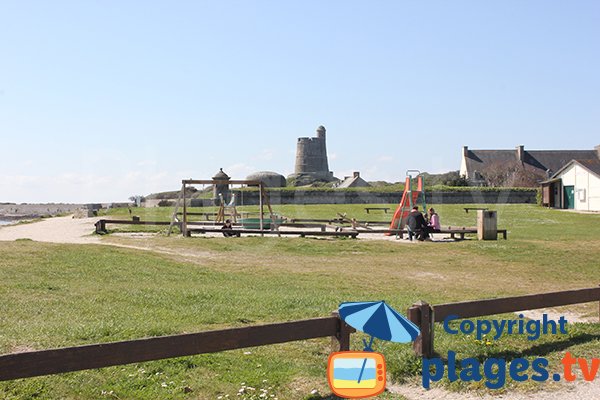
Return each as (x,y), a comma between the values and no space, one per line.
(59,295)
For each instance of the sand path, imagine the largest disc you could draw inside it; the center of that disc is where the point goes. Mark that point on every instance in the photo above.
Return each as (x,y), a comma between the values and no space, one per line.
(54,230)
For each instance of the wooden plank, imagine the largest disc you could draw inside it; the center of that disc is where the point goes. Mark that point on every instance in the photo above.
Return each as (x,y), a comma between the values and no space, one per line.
(45,362)
(341,341)
(474,208)
(384,209)
(184,217)
(421,314)
(130,222)
(198,213)
(174,215)
(297,225)
(338,220)
(519,303)
(268,232)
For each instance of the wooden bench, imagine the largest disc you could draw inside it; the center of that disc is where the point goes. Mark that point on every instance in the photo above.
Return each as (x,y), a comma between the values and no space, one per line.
(101,224)
(208,214)
(461,232)
(338,221)
(237,232)
(385,209)
(303,225)
(475,208)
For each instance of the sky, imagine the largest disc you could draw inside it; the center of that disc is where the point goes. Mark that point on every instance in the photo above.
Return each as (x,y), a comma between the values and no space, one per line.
(101,100)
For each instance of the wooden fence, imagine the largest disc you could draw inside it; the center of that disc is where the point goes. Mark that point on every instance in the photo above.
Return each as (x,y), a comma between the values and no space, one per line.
(55,361)
(424,315)
(101,224)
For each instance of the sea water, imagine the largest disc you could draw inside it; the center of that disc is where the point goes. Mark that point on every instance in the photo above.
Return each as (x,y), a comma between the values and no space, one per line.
(4,222)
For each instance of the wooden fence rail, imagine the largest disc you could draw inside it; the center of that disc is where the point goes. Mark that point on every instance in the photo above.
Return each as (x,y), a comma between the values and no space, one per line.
(55,361)
(101,223)
(424,316)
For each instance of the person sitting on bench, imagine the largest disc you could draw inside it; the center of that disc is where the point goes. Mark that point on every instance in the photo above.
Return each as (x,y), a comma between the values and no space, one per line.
(416,225)
(228,227)
(433,226)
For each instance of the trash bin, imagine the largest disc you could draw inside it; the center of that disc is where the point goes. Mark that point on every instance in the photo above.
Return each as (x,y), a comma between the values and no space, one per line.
(487,225)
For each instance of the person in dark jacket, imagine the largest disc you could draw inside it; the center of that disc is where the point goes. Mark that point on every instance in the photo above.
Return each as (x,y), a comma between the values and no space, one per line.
(226,228)
(417,226)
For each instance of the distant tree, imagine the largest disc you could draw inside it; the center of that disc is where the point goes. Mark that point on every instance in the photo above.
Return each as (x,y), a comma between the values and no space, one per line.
(510,174)
(137,199)
(451,178)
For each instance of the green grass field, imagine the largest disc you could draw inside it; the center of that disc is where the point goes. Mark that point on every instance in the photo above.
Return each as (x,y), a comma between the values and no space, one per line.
(60,295)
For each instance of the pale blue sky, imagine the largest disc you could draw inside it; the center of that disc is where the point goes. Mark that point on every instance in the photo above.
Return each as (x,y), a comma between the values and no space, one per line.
(103,99)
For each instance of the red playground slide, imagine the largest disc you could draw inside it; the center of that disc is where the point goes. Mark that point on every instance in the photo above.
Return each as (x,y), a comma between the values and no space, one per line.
(409,199)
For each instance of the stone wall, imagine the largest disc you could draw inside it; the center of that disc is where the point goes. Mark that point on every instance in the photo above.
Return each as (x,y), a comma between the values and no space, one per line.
(359,197)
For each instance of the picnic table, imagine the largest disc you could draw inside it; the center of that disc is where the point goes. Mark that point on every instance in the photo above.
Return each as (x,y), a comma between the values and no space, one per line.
(475,208)
(384,209)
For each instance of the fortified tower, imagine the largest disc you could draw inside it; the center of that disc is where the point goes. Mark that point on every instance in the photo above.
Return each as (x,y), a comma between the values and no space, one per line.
(311,159)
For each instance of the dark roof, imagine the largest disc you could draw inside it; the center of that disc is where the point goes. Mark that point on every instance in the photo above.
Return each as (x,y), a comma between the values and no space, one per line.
(221,175)
(591,164)
(353,181)
(541,160)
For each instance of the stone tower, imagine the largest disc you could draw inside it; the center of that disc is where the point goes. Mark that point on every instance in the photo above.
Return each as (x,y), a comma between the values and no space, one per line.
(221,188)
(311,159)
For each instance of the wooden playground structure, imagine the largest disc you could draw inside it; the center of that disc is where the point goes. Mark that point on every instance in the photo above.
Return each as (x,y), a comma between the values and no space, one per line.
(187,227)
(268,223)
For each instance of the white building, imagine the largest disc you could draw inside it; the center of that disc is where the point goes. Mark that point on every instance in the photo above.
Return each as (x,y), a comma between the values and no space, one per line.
(575,186)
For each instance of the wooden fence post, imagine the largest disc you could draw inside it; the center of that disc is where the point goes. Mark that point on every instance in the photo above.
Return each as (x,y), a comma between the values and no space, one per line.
(341,340)
(101,226)
(421,314)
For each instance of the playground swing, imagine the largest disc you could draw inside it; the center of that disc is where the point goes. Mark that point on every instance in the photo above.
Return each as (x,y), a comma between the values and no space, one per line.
(410,198)
(228,209)
(225,208)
